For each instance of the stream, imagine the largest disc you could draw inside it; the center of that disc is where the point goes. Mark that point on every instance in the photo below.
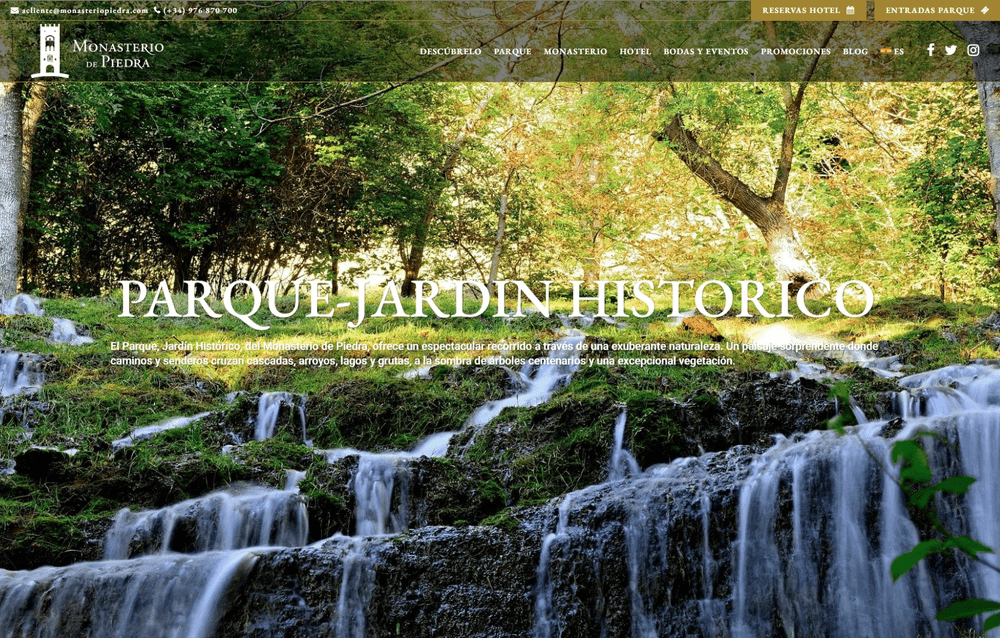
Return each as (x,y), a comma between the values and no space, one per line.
(795,540)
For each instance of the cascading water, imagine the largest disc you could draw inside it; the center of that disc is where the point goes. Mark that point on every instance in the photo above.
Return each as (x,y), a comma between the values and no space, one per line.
(165,594)
(545,625)
(355,590)
(19,373)
(175,596)
(622,464)
(534,384)
(381,481)
(65,331)
(538,380)
(377,479)
(238,517)
(797,540)
(148,431)
(269,409)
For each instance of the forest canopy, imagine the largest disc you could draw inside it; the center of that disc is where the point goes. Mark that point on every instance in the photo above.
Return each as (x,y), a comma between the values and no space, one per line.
(219,182)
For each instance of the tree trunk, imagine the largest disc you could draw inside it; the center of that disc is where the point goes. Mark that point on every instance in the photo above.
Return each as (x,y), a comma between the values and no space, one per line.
(11,186)
(29,126)
(987,69)
(768,214)
(501,227)
(413,260)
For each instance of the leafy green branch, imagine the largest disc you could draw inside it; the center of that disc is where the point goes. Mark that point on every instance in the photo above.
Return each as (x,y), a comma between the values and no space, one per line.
(915,478)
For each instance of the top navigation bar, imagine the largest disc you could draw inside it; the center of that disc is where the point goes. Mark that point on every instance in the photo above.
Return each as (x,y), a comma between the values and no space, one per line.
(538,41)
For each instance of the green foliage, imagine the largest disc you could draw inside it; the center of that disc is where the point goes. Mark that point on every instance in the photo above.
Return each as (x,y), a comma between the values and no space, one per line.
(916,477)
(841,393)
(952,232)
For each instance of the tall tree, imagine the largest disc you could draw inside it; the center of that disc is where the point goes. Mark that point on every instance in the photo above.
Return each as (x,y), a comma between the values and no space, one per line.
(768,212)
(987,69)
(11,193)
(412,243)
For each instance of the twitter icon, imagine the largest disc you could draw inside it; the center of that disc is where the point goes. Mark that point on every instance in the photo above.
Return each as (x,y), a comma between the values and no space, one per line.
(950,50)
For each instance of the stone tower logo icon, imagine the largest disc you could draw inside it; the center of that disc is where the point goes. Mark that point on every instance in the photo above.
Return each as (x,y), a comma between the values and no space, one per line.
(48,52)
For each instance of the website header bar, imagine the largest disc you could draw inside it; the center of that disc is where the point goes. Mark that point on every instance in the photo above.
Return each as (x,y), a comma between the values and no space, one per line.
(765,40)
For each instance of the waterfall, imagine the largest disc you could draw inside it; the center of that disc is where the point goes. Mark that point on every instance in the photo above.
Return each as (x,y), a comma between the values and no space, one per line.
(268,410)
(65,331)
(794,541)
(148,431)
(174,596)
(235,518)
(538,380)
(829,573)
(622,464)
(144,587)
(19,373)
(545,625)
(376,480)
(355,590)
(381,481)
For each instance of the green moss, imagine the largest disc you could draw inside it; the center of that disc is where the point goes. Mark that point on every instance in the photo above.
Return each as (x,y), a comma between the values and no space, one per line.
(24,332)
(491,491)
(503,520)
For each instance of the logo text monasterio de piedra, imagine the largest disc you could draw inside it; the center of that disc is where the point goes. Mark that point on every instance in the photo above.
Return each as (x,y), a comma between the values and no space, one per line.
(114,55)
(119,55)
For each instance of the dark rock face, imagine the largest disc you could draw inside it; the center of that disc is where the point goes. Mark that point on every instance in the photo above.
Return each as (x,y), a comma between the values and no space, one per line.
(450,492)
(474,582)
(760,407)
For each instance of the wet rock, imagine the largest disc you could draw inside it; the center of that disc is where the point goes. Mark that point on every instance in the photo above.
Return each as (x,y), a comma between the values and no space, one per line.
(436,581)
(451,491)
(992,322)
(760,406)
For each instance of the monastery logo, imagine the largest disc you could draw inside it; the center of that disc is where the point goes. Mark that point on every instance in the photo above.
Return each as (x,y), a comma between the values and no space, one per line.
(48,52)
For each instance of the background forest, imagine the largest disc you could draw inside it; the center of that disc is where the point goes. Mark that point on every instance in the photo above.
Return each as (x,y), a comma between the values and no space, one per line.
(221,182)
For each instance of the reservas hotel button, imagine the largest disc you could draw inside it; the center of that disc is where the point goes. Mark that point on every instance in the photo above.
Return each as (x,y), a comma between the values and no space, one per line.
(809,11)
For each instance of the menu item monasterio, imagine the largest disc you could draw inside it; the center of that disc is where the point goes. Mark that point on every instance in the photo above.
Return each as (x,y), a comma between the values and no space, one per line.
(750,293)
